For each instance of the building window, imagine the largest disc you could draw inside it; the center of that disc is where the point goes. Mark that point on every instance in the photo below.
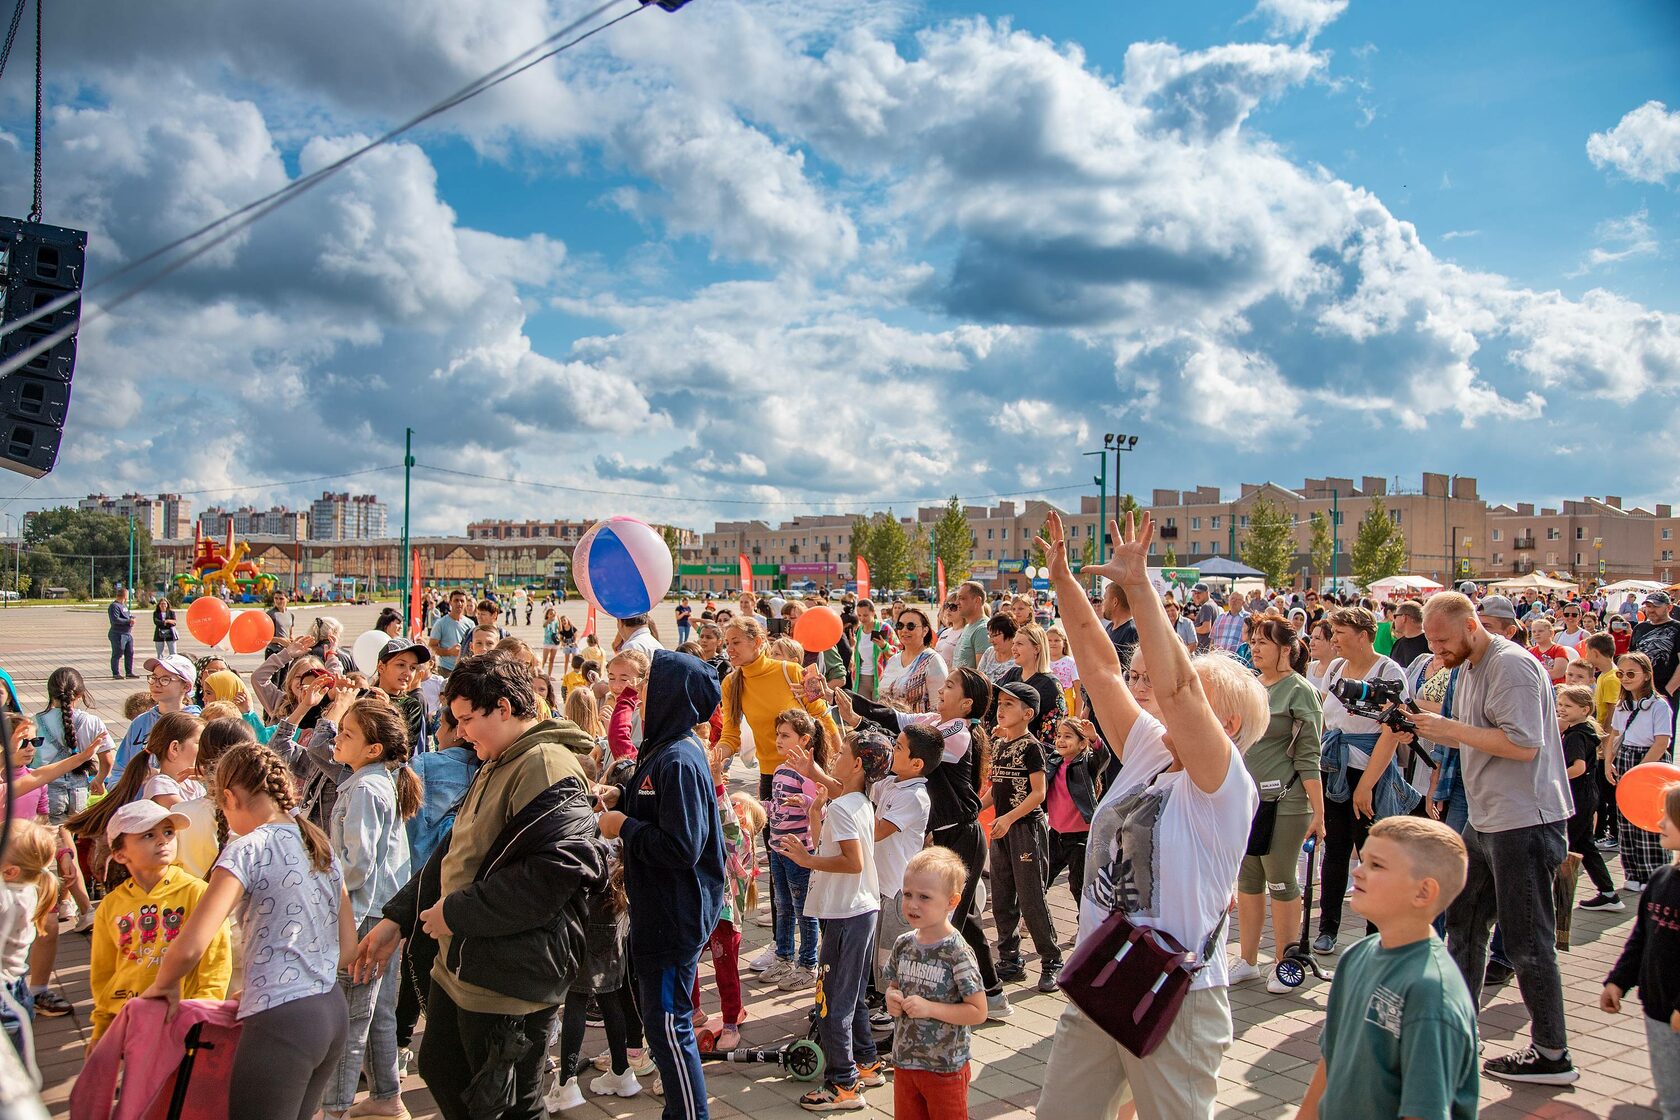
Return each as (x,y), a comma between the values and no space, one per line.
(1213,548)
(990,534)
(1551,559)
(1668,534)
(1244,523)
(1668,554)
(1195,523)
(1394,516)
(1499,534)
(1580,533)
(1006,534)
(988,554)
(1215,523)
(1578,559)
(1498,559)
(1171,523)
(1195,547)
(1552,534)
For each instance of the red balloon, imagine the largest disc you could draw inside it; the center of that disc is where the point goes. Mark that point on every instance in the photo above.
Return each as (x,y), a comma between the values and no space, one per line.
(208,619)
(1642,790)
(818,629)
(250,632)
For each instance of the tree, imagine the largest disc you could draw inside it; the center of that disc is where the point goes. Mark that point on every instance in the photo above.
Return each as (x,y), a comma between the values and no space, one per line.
(1268,544)
(1088,552)
(673,541)
(1379,551)
(919,554)
(860,538)
(58,544)
(1170,560)
(1319,545)
(953,542)
(888,552)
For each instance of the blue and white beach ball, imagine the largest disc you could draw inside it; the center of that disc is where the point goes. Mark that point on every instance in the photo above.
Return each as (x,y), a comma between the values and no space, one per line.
(622,566)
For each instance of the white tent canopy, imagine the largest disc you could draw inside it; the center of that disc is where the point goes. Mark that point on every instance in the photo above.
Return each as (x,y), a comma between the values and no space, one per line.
(1384,589)
(1533,581)
(1633,585)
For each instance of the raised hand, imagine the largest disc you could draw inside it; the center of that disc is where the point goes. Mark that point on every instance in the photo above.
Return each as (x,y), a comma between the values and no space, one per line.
(1129,563)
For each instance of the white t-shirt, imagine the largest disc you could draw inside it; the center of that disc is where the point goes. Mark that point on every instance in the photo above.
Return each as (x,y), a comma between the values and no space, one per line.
(906,804)
(17,929)
(1572,641)
(1641,726)
(162,785)
(288,918)
(1337,716)
(833,895)
(50,726)
(1181,851)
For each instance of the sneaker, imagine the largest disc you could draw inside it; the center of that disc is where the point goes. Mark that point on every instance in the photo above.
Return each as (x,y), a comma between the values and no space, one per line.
(616,1084)
(1637,886)
(563,1095)
(799,979)
(764,960)
(66,910)
(85,922)
(1497,973)
(641,1062)
(834,1098)
(1048,975)
(1604,902)
(405,1059)
(1011,971)
(656,1086)
(1532,1066)
(391,1107)
(1277,987)
(880,1020)
(776,973)
(1325,944)
(1607,844)
(997,1007)
(873,1075)
(51,1004)
(1240,971)
(763,920)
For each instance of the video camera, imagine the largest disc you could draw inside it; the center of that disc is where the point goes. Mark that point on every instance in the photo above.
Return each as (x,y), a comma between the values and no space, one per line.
(1381,700)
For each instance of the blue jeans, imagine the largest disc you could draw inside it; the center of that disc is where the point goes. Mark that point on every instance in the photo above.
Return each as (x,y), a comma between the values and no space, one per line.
(1510,879)
(668,1023)
(842,983)
(789,882)
(373,1035)
(1664,1046)
(683,631)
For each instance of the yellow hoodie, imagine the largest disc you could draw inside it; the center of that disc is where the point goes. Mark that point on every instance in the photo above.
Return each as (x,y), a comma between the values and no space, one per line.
(771,688)
(131,930)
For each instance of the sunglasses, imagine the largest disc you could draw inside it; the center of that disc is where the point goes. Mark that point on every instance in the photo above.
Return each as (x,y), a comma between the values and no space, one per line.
(33,742)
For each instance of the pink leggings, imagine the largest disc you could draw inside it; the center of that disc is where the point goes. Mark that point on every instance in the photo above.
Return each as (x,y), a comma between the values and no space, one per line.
(726,963)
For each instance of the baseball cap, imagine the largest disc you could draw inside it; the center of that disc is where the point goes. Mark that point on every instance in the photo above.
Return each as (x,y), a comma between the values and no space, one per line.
(1202,587)
(175,664)
(141,816)
(1498,606)
(1658,598)
(1024,692)
(1468,587)
(403,645)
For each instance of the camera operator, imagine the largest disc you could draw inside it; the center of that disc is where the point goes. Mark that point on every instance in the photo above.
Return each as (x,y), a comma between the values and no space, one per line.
(1356,792)
(1503,719)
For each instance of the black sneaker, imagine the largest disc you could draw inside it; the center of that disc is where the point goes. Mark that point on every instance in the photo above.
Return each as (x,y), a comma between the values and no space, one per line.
(1604,902)
(1324,944)
(1497,973)
(1531,1066)
(1047,977)
(1010,971)
(51,1004)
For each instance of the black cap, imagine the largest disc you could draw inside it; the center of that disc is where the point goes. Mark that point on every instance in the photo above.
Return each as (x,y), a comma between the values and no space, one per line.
(1024,692)
(403,645)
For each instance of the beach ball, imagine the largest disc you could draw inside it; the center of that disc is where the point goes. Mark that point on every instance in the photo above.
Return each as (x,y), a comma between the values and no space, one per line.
(622,566)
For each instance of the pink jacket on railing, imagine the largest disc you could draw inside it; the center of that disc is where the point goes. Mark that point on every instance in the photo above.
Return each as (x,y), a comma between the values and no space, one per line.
(145,1052)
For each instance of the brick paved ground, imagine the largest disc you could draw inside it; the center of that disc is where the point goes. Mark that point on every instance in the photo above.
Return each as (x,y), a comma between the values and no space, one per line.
(1264,1074)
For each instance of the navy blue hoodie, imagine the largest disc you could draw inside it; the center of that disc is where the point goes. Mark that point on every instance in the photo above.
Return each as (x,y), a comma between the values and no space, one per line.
(673,839)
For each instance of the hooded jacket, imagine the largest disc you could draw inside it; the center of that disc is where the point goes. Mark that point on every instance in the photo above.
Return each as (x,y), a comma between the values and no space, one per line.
(672,836)
(517,928)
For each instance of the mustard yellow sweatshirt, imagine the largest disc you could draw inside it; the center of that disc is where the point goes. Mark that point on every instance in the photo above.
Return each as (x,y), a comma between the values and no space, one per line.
(131,930)
(771,688)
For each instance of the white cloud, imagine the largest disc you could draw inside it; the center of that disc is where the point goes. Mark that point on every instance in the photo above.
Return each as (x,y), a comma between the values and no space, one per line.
(1644,145)
(1620,239)
(1304,18)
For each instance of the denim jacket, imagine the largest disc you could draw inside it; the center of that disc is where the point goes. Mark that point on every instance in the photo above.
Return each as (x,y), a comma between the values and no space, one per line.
(1392,796)
(369,840)
(445,776)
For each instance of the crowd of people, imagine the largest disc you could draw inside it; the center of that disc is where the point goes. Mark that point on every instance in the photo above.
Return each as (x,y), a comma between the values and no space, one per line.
(513,841)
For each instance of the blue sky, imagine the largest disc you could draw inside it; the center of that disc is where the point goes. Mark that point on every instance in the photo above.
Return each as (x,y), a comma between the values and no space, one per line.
(756,257)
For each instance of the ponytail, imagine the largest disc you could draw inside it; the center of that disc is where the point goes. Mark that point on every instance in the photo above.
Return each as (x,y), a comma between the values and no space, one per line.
(381,724)
(64,687)
(253,769)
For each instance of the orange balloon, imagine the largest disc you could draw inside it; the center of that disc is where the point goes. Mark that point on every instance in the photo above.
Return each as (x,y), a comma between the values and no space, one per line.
(250,632)
(818,629)
(207,619)
(1642,790)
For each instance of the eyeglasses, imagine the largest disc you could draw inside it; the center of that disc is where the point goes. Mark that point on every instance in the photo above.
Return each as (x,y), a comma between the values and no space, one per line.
(161,678)
(1137,678)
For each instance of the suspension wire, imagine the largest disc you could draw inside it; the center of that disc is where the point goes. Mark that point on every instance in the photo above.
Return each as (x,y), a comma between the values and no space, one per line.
(237,220)
(11,33)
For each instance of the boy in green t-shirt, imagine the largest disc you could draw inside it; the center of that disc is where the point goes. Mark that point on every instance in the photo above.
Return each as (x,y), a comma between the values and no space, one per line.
(1399,1038)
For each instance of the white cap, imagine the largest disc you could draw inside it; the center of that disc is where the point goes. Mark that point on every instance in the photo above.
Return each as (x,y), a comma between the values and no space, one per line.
(142,816)
(176,664)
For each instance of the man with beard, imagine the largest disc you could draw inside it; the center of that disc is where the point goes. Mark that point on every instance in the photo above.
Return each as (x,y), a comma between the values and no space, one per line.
(1658,638)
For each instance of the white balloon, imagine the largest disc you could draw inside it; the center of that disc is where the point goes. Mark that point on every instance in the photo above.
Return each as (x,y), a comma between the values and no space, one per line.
(366,651)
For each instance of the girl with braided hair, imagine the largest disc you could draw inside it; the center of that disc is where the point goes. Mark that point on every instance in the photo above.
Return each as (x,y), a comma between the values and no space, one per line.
(279,875)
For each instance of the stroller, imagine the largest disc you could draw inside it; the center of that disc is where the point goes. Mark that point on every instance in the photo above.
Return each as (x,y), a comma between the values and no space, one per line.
(1297,959)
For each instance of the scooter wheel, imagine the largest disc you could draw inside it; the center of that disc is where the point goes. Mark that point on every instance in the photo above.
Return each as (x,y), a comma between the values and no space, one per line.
(707,1041)
(1291,973)
(805,1060)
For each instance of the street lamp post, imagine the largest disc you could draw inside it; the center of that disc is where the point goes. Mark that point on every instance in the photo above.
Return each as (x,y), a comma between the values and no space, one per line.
(1102,504)
(1335,532)
(1118,443)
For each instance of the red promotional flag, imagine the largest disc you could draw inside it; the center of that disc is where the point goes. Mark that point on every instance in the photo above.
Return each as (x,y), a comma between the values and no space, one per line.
(746,574)
(939,578)
(862,578)
(414,594)
(589,621)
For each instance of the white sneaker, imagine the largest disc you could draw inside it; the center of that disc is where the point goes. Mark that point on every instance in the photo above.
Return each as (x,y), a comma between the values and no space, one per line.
(85,922)
(764,960)
(776,973)
(405,1058)
(1277,987)
(616,1084)
(563,1095)
(1637,886)
(798,979)
(641,1062)
(1241,972)
(764,919)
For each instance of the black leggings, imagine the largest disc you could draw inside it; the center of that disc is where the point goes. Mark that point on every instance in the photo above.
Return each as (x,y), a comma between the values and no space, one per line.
(1581,842)
(969,842)
(286,1056)
(1344,830)
(618,1007)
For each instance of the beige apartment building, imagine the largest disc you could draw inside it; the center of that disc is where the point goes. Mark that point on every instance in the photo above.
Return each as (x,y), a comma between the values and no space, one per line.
(1595,538)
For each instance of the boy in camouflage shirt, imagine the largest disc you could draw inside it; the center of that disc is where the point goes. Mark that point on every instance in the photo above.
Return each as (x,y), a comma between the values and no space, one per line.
(934,991)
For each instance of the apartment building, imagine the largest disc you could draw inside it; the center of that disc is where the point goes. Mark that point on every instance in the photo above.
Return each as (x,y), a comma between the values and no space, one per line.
(343,517)
(1594,538)
(275,521)
(166,515)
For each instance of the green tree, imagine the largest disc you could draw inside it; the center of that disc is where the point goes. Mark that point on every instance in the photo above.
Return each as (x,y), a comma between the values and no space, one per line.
(1268,544)
(860,538)
(1170,560)
(953,541)
(1319,545)
(919,555)
(673,541)
(59,542)
(1379,551)
(888,552)
(1088,552)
